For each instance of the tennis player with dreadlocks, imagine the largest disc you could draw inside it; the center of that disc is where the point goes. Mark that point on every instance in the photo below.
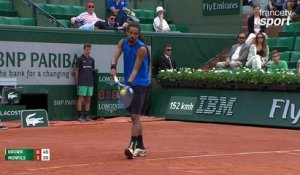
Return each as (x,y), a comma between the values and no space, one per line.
(136,75)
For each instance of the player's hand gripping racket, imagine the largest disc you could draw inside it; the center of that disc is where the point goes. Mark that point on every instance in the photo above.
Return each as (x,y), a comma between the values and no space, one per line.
(125,93)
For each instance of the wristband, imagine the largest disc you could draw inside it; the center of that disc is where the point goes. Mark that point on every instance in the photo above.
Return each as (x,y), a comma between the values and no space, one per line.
(128,83)
(113,66)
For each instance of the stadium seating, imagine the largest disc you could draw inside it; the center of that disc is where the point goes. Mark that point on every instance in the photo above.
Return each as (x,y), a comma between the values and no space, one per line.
(290,30)
(17,21)
(297,44)
(294,26)
(287,42)
(9,16)
(285,56)
(295,56)
(7,9)
(147,27)
(172,27)
(182,28)
(63,11)
(272,42)
(145,16)
(65,22)
(63,2)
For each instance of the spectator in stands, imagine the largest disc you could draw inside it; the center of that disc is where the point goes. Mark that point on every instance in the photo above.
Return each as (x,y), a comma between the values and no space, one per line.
(292,7)
(238,54)
(88,17)
(258,53)
(277,64)
(111,24)
(297,8)
(166,61)
(276,5)
(100,25)
(159,23)
(254,26)
(119,8)
(264,4)
(298,66)
(247,2)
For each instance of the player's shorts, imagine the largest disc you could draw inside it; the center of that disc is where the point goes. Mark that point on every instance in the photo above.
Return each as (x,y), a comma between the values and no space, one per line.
(85,90)
(138,100)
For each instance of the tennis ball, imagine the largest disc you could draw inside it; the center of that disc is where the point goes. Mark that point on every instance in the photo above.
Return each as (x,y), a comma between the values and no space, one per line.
(123,92)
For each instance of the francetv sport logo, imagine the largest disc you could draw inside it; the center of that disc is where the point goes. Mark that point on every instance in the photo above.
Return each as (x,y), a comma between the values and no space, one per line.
(275,17)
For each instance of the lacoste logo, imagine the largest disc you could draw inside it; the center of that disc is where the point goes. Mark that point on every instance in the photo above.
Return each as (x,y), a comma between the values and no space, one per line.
(11,95)
(30,120)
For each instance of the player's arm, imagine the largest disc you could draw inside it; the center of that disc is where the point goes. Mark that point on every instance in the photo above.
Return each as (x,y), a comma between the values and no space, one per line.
(141,53)
(76,75)
(76,71)
(117,54)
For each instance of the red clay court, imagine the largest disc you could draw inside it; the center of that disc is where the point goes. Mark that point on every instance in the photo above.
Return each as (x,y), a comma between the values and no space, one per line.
(173,148)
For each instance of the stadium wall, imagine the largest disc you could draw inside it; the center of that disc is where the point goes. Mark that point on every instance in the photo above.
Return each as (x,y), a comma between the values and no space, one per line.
(262,108)
(193,14)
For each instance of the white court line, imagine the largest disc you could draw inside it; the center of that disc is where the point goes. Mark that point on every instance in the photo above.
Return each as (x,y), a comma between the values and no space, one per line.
(197,172)
(66,166)
(178,157)
(226,154)
(298,154)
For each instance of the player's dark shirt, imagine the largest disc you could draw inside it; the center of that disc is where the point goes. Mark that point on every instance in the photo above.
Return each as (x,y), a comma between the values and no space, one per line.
(85,66)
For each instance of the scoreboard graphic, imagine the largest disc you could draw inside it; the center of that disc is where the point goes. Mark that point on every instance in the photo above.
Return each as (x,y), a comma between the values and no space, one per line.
(24,154)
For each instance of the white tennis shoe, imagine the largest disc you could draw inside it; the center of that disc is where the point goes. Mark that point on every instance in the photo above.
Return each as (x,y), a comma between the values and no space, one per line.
(139,152)
(128,153)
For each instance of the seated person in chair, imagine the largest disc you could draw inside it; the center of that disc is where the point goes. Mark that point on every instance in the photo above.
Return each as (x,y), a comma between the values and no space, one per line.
(166,61)
(89,17)
(277,64)
(119,8)
(159,23)
(254,25)
(238,54)
(111,24)
(258,53)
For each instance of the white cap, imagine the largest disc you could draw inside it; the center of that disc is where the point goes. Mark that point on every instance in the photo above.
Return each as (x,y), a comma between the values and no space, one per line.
(159,8)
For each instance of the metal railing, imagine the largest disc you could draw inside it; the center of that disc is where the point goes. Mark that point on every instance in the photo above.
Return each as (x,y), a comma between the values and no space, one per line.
(36,9)
(80,2)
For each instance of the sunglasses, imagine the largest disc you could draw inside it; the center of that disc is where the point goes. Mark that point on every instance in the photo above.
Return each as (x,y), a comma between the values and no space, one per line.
(169,49)
(91,7)
(112,18)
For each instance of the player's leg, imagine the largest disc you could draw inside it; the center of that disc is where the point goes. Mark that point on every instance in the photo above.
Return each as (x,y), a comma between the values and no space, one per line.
(140,148)
(135,110)
(135,129)
(81,91)
(87,102)
(79,108)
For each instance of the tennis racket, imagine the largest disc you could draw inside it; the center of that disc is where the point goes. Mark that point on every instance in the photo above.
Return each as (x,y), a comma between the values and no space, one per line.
(125,93)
